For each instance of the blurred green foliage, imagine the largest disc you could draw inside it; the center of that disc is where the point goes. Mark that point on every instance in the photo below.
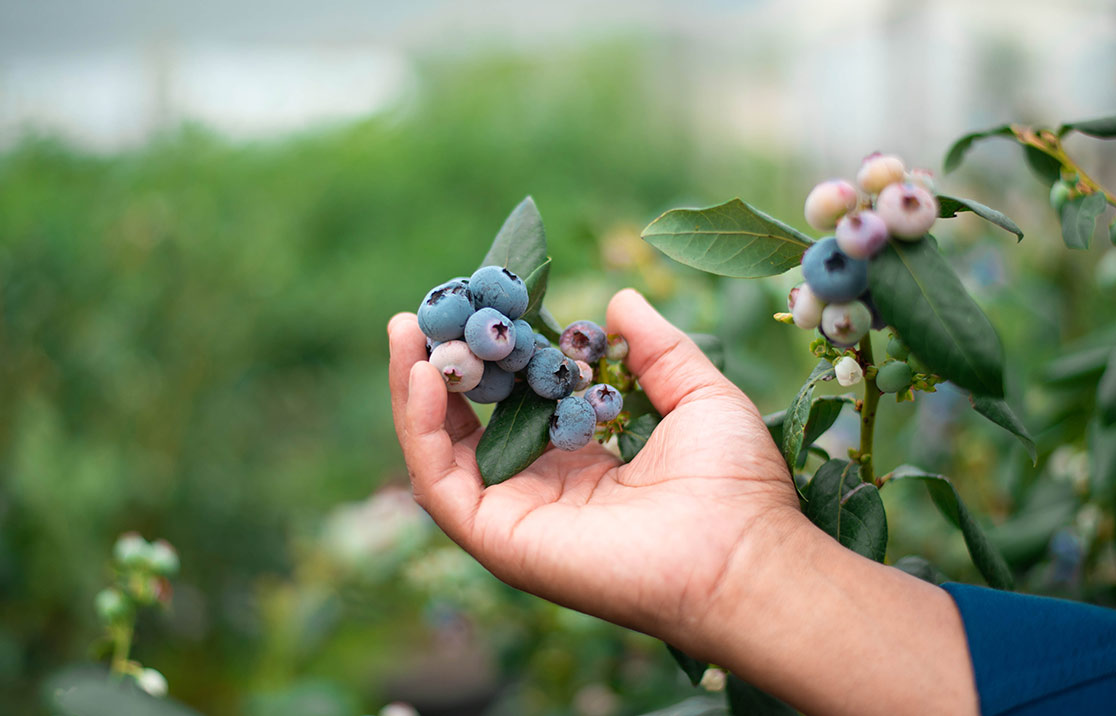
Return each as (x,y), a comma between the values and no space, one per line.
(192,345)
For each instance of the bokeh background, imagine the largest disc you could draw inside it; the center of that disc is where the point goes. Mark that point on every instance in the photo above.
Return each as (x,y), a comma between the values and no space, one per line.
(209,211)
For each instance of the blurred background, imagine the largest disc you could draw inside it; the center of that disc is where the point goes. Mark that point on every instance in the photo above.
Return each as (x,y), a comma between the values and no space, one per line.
(209,211)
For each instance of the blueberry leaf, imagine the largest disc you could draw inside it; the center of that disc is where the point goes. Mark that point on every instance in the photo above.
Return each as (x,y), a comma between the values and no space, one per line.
(1079,219)
(847,509)
(746,700)
(520,245)
(516,435)
(999,412)
(798,414)
(949,206)
(1106,393)
(546,324)
(536,290)
(1101,128)
(985,555)
(712,346)
(733,239)
(1080,366)
(693,668)
(636,434)
(918,293)
(824,412)
(1112,231)
(957,152)
(1046,168)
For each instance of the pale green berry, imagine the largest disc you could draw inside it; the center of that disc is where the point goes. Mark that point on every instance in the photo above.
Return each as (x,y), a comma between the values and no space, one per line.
(111,605)
(131,550)
(163,558)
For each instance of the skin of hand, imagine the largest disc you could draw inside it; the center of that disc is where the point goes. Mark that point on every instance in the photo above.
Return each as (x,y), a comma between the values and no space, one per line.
(698,541)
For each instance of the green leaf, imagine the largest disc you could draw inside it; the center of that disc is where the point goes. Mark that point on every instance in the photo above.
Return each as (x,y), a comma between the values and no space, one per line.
(999,412)
(920,567)
(1106,393)
(546,324)
(918,293)
(746,700)
(520,245)
(1046,168)
(957,152)
(695,706)
(636,435)
(1081,366)
(693,668)
(847,509)
(517,434)
(1079,219)
(712,346)
(1102,455)
(985,555)
(732,239)
(536,290)
(823,413)
(949,206)
(1112,231)
(1101,128)
(798,414)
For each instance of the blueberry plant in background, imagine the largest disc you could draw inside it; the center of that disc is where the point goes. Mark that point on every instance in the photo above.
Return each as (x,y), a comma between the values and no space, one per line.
(880,269)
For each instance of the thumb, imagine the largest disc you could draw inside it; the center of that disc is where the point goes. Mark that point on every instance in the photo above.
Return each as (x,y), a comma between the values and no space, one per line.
(670,367)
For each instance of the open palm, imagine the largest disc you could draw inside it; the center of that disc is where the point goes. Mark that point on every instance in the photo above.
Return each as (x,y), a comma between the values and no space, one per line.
(644,544)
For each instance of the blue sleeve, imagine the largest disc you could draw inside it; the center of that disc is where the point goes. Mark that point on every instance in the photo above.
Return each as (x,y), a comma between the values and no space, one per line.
(1038,656)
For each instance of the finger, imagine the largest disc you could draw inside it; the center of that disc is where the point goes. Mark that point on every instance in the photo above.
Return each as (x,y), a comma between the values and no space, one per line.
(447,490)
(408,346)
(670,366)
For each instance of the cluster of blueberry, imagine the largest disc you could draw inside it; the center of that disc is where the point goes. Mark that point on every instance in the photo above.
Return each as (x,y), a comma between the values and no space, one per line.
(893,203)
(476,337)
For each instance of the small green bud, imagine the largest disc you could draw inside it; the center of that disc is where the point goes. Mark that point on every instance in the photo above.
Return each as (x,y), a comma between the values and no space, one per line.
(111,605)
(163,558)
(1059,195)
(131,550)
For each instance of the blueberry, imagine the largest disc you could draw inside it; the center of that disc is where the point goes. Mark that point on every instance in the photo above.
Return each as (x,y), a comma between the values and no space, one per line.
(805,307)
(164,558)
(496,287)
(843,324)
(460,369)
(585,375)
(897,349)
(551,374)
(490,335)
(572,424)
(828,202)
(878,170)
(878,322)
(495,385)
(861,235)
(617,347)
(523,349)
(908,210)
(445,310)
(606,401)
(893,377)
(833,275)
(541,341)
(111,605)
(431,344)
(583,340)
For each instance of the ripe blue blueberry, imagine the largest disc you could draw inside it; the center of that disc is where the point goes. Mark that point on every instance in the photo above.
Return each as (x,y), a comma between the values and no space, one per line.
(583,340)
(572,424)
(541,341)
(496,287)
(551,374)
(444,311)
(833,275)
(606,401)
(495,385)
(490,335)
(524,348)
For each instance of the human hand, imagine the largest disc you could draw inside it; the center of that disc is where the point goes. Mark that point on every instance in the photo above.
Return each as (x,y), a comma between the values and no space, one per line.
(645,544)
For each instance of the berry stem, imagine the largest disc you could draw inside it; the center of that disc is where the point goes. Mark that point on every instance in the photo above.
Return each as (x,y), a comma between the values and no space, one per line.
(121,646)
(867,411)
(1049,143)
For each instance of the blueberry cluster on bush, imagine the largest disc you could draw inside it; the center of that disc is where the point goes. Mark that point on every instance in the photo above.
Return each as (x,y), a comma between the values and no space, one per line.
(476,337)
(888,203)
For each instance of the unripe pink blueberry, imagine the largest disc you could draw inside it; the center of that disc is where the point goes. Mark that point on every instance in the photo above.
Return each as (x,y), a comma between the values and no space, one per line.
(923,178)
(585,376)
(461,370)
(846,323)
(805,307)
(861,235)
(878,170)
(828,202)
(848,371)
(908,210)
